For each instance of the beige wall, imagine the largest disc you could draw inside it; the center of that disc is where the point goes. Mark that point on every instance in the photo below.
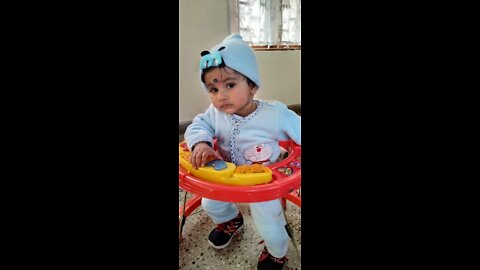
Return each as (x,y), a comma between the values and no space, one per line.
(205,23)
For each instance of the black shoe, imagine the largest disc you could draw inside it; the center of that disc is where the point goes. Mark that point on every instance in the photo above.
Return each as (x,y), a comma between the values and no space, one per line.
(221,236)
(268,262)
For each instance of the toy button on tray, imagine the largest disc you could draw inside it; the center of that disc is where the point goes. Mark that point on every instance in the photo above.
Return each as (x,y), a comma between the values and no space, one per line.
(217,164)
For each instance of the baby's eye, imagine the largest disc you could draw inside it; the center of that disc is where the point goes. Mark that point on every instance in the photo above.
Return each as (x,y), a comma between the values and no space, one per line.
(213,90)
(230,85)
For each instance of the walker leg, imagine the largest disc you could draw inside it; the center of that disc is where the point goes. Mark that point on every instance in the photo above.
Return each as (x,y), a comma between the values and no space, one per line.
(182,218)
(185,210)
(294,198)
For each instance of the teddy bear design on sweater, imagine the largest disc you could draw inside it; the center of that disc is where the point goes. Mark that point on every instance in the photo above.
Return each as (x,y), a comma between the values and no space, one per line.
(258,154)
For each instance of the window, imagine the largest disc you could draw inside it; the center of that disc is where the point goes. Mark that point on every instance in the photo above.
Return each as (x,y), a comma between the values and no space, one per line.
(267,24)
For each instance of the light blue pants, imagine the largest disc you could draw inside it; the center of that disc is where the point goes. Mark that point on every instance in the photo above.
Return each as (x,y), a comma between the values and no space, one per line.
(267,216)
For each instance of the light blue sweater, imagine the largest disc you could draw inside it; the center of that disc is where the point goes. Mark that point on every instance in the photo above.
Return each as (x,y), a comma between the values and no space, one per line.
(250,139)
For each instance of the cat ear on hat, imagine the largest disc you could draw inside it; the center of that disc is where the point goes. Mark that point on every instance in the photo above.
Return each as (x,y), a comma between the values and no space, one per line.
(203,53)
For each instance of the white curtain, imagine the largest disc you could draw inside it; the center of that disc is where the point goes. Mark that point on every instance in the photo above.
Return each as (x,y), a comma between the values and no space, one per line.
(267,22)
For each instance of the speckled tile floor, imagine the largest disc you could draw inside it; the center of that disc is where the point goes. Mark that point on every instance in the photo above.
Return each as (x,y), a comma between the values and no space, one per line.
(243,251)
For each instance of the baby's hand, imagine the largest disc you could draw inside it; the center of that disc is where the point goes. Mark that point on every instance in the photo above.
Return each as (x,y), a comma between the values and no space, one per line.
(203,153)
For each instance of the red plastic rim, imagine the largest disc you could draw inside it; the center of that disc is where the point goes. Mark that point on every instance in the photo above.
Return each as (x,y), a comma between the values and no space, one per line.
(286,178)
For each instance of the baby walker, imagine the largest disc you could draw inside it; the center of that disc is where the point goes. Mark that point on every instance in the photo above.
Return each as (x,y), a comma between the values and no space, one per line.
(220,180)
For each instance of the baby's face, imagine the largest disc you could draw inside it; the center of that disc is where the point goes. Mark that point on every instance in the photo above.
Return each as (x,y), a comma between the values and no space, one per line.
(229,91)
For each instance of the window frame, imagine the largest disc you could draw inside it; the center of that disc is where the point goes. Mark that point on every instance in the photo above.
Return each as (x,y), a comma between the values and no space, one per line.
(234,21)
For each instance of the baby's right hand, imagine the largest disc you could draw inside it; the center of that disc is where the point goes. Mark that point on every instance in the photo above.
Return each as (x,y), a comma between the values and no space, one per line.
(202,154)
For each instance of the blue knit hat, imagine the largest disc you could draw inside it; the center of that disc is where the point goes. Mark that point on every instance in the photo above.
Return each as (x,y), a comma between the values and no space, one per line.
(236,54)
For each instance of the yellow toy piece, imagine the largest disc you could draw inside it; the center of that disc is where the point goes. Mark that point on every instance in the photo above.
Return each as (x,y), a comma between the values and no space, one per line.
(243,175)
